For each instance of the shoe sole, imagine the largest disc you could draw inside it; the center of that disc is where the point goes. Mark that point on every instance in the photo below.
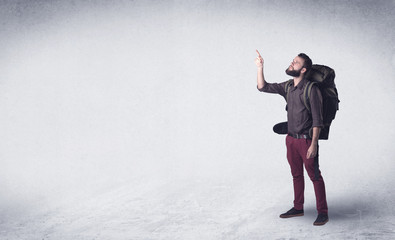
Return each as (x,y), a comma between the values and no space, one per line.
(321,223)
(294,215)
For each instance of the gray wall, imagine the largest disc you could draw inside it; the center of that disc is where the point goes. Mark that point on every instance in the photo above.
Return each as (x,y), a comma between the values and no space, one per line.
(102,92)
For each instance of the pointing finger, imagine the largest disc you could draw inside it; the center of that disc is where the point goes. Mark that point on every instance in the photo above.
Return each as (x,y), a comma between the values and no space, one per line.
(258,53)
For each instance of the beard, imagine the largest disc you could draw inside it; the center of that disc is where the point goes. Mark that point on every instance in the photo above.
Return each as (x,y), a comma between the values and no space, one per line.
(293,73)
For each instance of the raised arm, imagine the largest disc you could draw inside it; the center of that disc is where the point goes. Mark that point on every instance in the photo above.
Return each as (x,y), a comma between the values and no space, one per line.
(260,77)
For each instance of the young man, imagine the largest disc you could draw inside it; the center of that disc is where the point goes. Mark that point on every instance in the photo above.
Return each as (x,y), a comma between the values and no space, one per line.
(303,131)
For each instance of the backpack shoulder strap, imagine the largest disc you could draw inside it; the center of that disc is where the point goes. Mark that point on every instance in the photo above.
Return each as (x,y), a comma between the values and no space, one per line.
(286,88)
(306,94)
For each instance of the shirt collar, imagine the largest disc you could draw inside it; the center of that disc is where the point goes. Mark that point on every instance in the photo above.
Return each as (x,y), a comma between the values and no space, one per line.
(300,85)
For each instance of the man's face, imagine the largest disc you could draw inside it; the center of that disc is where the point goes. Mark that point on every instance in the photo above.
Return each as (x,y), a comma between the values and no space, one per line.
(296,67)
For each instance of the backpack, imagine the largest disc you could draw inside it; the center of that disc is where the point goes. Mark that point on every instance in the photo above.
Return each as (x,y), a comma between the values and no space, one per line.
(324,78)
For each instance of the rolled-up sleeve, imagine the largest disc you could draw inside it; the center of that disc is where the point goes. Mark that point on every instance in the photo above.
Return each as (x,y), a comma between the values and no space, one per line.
(278,88)
(316,107)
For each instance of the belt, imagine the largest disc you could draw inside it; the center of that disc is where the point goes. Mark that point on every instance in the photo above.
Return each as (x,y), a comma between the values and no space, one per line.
(299,136)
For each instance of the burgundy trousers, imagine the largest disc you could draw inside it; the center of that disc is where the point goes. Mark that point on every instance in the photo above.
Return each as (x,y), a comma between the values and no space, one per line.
(296,154)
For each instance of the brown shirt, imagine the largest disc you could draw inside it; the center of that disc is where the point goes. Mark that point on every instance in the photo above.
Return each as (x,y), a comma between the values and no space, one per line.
(300,121)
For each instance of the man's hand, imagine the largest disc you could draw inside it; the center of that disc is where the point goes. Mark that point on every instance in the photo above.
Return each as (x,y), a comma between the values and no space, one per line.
(259,60)
(260,77)
(312,151)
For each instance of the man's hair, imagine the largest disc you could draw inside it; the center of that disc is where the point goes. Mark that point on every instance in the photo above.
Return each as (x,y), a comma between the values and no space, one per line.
(307,61)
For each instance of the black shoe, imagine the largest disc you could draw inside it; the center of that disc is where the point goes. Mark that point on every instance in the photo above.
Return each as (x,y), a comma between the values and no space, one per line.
(321,219)
(292,213)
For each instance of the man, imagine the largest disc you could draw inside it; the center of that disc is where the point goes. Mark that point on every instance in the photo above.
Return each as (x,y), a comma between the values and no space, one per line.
(303,131)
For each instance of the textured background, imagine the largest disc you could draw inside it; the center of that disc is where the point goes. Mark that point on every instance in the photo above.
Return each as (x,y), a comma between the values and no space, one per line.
(143,116)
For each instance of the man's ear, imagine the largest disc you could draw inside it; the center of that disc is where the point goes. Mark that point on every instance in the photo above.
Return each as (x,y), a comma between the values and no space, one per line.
(303,70)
